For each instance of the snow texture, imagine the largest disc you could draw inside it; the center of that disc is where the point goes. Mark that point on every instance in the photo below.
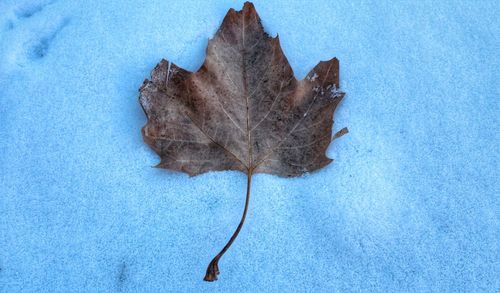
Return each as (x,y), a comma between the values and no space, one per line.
(411,203)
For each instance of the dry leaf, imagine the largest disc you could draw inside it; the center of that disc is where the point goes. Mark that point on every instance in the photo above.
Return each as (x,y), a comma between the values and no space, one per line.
(242,110)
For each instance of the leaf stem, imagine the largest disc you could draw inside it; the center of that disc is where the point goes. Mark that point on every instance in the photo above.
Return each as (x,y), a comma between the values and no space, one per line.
(213,266)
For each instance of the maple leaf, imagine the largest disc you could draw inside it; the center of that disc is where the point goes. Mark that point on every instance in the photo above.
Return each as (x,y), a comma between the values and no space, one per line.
(242,110)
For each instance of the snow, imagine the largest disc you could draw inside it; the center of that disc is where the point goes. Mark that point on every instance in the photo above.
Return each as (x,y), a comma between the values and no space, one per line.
(409,205)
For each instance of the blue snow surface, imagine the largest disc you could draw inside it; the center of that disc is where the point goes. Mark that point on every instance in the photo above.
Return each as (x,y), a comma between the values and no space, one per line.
(411,203)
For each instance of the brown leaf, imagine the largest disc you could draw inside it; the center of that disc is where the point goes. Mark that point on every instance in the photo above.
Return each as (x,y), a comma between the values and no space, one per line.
(242,110)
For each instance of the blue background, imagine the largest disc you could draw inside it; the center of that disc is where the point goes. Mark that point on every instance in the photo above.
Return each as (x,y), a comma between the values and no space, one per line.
(409,205)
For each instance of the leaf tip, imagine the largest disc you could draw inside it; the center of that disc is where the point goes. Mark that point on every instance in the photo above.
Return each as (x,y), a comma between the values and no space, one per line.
(248,5)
